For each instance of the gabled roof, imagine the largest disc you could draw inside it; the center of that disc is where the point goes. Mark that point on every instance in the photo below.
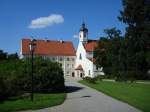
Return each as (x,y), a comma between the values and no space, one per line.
(49,47)
(79,67)
(90,45)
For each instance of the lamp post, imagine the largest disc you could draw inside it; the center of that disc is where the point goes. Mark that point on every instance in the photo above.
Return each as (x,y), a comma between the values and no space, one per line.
(32,46)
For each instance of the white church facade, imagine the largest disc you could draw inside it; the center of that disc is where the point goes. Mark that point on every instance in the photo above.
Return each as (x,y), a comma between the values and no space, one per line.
(84,64)
(75,63)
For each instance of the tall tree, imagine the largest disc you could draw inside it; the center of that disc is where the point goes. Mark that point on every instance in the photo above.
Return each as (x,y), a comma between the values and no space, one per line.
(110,51)
(136,14)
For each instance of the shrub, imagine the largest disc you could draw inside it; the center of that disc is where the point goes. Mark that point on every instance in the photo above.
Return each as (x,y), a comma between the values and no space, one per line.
(49,76)
(100,77)
(15,77)
(121,76)
(90,80)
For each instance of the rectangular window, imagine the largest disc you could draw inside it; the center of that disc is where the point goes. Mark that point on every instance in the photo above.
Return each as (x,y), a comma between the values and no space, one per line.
(68,59)
(53,58)
(60,65)
(89,72)
(61,59)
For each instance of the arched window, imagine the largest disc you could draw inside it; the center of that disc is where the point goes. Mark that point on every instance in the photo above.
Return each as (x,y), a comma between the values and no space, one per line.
(80,57)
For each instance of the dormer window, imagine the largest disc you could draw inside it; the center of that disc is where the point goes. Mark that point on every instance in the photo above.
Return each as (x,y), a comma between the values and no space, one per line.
(80,57)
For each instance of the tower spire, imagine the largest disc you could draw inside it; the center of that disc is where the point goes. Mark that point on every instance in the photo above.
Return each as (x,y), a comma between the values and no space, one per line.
(83,35)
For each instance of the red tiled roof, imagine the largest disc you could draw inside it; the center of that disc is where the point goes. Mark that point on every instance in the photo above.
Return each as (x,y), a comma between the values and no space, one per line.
(90,45)
(49,47)
(79,68)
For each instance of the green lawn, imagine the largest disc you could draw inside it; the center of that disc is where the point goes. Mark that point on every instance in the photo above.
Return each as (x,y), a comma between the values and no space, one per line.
(134,94)
(40,101)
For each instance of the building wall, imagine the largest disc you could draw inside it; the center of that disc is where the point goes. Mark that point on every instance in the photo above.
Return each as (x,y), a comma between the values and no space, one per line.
(89,54)
(89,68)
(86,64)
(66,62)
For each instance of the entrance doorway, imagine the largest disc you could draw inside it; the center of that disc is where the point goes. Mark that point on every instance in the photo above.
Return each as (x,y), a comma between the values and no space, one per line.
(72,74)
(81,75)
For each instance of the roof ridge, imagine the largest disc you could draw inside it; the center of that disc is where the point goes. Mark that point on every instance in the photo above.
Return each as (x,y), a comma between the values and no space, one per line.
(48,40)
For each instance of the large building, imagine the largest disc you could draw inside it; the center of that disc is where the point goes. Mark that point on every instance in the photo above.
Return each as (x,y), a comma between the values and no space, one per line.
(60,51)
(78,63)
(84,65)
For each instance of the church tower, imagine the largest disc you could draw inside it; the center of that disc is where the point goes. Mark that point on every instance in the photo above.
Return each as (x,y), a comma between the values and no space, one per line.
(83,34)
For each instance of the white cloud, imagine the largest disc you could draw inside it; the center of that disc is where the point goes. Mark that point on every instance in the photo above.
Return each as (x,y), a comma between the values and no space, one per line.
(75,36)
(43,22)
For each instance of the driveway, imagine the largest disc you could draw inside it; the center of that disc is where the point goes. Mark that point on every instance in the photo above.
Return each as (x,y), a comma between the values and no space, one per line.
(81,98)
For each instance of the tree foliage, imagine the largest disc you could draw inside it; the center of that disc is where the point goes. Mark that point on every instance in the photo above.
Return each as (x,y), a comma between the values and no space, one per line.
(112,33)
(136,15)
(110,53)
(128,56)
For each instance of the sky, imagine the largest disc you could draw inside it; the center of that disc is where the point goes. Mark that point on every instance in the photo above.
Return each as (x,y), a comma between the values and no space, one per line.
(55,20)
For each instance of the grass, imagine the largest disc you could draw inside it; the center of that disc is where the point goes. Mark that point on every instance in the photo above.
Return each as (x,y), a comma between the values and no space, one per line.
(135,94)
(40,101)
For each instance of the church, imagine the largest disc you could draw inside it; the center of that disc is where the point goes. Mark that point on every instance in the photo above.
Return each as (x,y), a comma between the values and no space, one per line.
(75,63)
(84,64)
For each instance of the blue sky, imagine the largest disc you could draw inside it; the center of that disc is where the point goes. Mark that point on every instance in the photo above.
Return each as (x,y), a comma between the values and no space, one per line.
(63,20)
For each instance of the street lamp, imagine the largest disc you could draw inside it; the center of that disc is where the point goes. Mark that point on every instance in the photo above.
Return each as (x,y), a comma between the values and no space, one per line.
(32,47)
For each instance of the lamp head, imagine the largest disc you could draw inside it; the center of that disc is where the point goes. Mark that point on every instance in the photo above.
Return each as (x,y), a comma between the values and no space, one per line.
(32,45)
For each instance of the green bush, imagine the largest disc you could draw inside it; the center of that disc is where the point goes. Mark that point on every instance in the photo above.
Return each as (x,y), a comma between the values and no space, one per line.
(15,77)
(48,76)
(90,80)
(121,76)
(100,77)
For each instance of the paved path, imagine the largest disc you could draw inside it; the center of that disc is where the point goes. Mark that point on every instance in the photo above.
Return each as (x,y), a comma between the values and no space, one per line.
(81,98)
